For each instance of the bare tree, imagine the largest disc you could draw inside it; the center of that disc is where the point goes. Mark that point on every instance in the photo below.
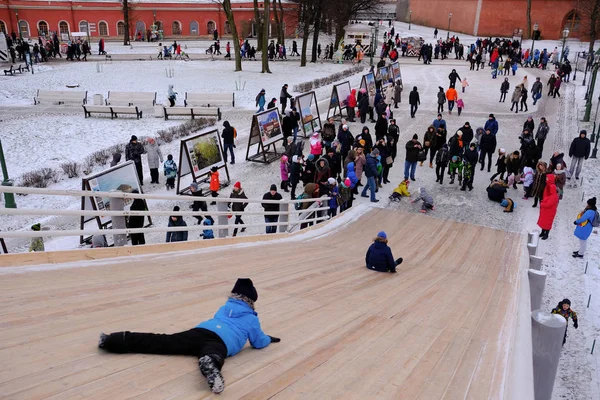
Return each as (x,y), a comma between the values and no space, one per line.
(258,20)
(341,11)
(126,22)
(265,38)
(590,9)
(226,4)
(529,19)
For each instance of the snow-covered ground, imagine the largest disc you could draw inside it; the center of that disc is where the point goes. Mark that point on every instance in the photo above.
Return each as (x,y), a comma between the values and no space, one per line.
(70,136)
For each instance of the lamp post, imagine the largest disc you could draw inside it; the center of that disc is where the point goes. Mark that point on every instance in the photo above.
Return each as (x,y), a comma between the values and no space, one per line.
(18,26)
(590,94)
(535,29)
(374,33)
(576,63)
(409,19)
(565,35)
(9,198)
(449,20)
(587,63)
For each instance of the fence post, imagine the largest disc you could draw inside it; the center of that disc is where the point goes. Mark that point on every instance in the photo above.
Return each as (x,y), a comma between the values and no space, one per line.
(535,262)
(284,217)
(118,222)
(537,283)
(547,332)
(222,219)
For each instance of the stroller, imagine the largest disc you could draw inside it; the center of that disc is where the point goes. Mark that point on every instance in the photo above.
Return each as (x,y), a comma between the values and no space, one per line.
(211,49)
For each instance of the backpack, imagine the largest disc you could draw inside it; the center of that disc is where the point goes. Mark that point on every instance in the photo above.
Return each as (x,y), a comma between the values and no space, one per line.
(298,206)
(596,221)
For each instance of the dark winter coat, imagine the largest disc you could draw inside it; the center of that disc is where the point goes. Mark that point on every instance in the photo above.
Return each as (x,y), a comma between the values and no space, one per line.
(381,128)
(198,204)
(542,131)
(295,172)
(471,156)
(284,95)
(467,136)
(501,164)
(453,77)
(363,104)
(269,207)
(580,147)
(137,221)
(178,236)
(455,148)
(235,206)
(412,152)
(539,183)
(134,151)
(371,166)
(513,165)
(228,133)
(488,143)
(492,125)
(413,98)
(530,125)
(496,192)
(441,97)
(379,258)
(536,88)
(504,87)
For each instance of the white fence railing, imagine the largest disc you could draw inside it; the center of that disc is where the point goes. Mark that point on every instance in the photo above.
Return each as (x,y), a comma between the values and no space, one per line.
(289,218)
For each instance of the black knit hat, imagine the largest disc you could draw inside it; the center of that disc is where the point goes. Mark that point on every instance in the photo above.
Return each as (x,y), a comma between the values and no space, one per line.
(245,287)
(592,202)
(566,301)
(273,187)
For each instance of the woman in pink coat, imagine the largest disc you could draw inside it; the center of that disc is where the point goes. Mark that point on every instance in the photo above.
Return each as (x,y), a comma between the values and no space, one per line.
(284,170)
(548,207)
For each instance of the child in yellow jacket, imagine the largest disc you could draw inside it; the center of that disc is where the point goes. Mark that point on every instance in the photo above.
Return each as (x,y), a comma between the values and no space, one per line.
(400,191)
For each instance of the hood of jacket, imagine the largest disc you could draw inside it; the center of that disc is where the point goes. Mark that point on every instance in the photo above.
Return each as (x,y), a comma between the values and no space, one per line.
(318,166)
(234,308)
(309,189)
(226,124)
(550,188)
(350,167)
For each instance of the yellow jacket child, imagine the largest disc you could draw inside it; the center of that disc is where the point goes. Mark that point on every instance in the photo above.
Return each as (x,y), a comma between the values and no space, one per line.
(400,191)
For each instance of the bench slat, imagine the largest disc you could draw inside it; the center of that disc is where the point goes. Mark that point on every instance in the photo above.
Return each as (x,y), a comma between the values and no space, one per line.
(204,99)
(192,111)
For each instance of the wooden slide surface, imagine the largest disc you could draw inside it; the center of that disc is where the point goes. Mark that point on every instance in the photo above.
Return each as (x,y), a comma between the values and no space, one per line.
(438,329)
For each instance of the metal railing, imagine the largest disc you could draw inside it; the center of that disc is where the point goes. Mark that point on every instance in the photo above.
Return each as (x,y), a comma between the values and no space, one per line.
(289,218)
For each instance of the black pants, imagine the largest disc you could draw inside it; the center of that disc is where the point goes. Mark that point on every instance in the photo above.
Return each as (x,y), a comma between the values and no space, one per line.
(556,92)
(432,154)
(137,239)
(351,114)
(524,104)
(439,171)
(140,172)
(238,220)
(171,183)
(496,174)
(540,144)
(482,159)
(195,342)
(154,175)
(413,110)
(171,102)
(515,105)
(440,108)
(503,97)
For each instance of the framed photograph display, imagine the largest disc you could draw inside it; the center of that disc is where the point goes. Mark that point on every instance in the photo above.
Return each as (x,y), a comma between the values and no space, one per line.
(396,74)
(309,112)
(197,155)
(339,96)
(368,83)
(385,76)
(122,177)
(265,132)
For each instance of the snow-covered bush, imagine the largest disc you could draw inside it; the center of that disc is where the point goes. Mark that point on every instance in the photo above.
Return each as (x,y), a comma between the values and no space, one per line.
(70,168)
(39,178)
(328,80)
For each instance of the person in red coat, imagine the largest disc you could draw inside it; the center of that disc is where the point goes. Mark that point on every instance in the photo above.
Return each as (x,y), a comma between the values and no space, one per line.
(548,207)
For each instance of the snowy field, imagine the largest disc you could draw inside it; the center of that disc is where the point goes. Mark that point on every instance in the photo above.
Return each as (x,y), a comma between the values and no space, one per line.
(32,140)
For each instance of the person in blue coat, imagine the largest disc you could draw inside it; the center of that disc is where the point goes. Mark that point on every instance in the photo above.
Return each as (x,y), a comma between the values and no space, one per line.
(491,124)
(584,226)
(379,256)
(211,341)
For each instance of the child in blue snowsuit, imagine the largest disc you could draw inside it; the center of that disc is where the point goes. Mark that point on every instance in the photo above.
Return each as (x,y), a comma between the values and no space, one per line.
(211,341)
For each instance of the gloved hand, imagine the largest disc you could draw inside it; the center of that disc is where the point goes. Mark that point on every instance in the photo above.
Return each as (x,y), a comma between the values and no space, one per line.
(274,339)
(575,324)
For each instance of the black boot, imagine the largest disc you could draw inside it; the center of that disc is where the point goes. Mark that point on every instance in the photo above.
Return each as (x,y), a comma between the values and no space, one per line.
(210,370)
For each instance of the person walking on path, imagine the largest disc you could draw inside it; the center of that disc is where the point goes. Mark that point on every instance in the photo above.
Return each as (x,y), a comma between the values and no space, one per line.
(453,77)
(283,96)
(133,152)
(379,256)
(413,147)
(272,194)
(155,159)
(238,207)
(414,101)
(542,134)
(176,236)
(452,96)
(137,221)
(487,147)
(504,87)
(228,136)
(564,308)
(260,100)
(172,96)
(579,151)
(548,207)
(516,97)
(441,97)
(584,225)
(211,341)
(491,124)
(536,90)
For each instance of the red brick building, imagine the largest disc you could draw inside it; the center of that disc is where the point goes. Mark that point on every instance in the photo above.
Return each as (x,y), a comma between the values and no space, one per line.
(495,17)
(104,18)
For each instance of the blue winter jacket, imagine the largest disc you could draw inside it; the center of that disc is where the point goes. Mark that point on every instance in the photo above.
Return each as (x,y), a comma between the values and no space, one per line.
(371,167)
(437,122)
(334,193)
(492,125)
(379,258)
(235,323)
(352,175)
(584,232)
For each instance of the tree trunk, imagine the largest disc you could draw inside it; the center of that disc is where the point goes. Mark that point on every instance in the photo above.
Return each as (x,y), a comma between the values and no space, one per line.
(307,21)
(529,33)
(281,24)
(339,33)
(258,22)
(593,20)
(126,22)
(277,21)
(265,38)
(317,26)
(234,34)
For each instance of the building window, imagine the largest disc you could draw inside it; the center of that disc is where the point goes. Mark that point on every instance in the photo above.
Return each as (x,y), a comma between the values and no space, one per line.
(159,26)
(24,28)
(121,28)
(140,26)
(210,27)
(2,27)
(103,28)
(572,21)
(194,28)
(176,28)
(227,27)
(43,28)
(84,27)
(63,27)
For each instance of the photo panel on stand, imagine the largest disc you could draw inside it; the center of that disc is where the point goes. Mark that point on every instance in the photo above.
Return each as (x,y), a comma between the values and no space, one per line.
(197,156)
(368,83)
(396,73)
(339,99)
(385,74)
(265,132)
(309,113)
(122,177)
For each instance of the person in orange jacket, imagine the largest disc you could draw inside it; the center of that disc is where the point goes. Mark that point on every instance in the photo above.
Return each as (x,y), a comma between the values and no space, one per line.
(215,184)
(452,96)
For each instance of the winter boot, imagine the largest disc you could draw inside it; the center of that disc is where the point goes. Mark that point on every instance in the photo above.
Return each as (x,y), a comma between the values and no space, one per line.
(421,163)
(452,181)
(535,202)
(212,373)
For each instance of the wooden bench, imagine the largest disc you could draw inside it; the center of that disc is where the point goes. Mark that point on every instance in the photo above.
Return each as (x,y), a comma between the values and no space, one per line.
(9,71)
(193,112)
(209,99)
(114,111)
(131,98)
(61,96)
